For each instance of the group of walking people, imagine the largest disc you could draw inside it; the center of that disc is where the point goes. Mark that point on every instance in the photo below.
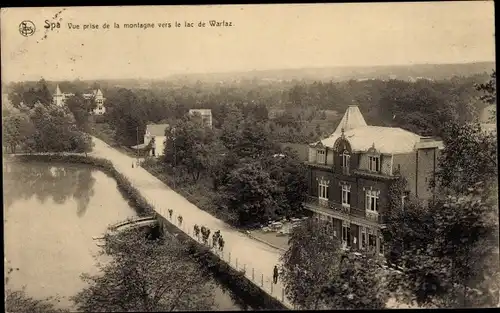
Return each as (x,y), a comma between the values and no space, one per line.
(217,239)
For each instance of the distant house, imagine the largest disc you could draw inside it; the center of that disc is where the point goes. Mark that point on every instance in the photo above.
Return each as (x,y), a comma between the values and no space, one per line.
(99,99)
(59,98)
(206,116)
(155,134)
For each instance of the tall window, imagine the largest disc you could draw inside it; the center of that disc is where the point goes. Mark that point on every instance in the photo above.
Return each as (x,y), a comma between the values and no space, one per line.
(346,235)
(320,156)
(323,190)
(372,242)
(363,241)
(371,203)
(346,194)
(374,163)
(345,159)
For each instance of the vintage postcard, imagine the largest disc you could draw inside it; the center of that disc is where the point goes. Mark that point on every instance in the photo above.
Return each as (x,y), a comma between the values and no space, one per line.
(250,157)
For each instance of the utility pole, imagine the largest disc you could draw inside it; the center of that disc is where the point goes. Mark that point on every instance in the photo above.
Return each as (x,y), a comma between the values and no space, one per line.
(137,140)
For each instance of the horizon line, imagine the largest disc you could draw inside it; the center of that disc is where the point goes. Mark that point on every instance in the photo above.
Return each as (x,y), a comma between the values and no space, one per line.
(254,70)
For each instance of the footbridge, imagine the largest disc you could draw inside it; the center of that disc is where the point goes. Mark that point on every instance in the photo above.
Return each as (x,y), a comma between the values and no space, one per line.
(134,223)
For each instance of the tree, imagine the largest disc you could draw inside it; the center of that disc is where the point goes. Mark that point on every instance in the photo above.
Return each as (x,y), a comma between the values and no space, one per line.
(318,275)
(145,275)
(359,285)
(127,114)
(17,128)
(189,144)
(290,175)
(469,156)
(17,301)
(56,131)
(489,90)
(80,108)
(255,142)
(448,251)
(22,96)
(249,192)
(231,128)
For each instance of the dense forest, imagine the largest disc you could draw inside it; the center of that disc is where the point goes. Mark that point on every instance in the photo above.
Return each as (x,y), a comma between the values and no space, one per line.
(294,111)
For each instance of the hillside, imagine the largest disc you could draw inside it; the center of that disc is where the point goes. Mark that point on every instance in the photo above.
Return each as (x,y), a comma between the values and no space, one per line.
(402,72)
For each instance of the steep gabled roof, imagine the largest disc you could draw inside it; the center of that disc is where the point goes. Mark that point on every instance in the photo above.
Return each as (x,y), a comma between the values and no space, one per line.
(58,90)
(390,140)
(352,119)
(362,137)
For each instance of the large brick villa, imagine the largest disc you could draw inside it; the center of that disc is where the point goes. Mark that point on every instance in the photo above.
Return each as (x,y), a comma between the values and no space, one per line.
(351,171)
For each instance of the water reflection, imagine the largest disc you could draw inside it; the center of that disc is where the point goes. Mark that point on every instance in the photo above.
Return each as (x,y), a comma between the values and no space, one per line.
(44,182)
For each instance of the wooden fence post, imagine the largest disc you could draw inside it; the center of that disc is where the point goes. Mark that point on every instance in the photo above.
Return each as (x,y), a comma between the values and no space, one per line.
(236,263)
(262,280)
(253,273)
(283,294)
(272,283)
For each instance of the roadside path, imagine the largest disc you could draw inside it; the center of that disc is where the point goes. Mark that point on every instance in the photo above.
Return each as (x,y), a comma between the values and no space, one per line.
(242,252)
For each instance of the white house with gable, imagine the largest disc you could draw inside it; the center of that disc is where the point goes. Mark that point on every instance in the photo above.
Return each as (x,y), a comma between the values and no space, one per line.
(156,133)
(59,98)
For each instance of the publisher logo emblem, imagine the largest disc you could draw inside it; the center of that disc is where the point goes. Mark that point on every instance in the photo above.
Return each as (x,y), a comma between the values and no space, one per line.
(27,28)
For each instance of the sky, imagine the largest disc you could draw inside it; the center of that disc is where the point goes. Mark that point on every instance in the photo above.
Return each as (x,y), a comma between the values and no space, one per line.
(273,36)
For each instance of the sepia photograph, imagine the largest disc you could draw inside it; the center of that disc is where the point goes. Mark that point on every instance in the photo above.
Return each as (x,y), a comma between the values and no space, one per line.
(327,156)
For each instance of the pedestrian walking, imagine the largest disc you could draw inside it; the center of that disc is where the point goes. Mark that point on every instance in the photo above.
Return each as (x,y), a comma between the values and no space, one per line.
(275,274)
(132,164)
(170,211)
(179,218)
(196,231)
(221,243)
(214,240)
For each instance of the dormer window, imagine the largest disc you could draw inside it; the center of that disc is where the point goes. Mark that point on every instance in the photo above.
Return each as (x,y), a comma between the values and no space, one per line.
(374,163)
(321,156)
(345,159)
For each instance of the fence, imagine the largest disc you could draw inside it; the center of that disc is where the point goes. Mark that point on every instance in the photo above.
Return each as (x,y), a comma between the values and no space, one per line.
(258,277)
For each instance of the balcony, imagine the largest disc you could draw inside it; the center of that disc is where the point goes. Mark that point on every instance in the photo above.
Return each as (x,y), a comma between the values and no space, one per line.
(337,210)
(371,174)
(326,204)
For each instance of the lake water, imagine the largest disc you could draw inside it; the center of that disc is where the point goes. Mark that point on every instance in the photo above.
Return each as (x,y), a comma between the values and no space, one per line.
(51,213)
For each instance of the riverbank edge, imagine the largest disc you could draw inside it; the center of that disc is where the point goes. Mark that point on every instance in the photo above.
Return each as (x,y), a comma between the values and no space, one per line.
(236,281)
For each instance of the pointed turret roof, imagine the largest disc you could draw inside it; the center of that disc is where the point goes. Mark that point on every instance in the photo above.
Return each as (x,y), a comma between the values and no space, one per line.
(98,93)
(58,90)
(352,119)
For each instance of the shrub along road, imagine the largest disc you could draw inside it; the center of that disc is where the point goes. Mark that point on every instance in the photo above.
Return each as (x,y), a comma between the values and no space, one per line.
(250,253)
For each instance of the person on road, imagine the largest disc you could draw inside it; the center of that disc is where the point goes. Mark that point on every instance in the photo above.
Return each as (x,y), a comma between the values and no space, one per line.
(207,236)
(214,240)
(221,243)
(275,274)
(132,164)
(170,211)
(179,218)
(196,231)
